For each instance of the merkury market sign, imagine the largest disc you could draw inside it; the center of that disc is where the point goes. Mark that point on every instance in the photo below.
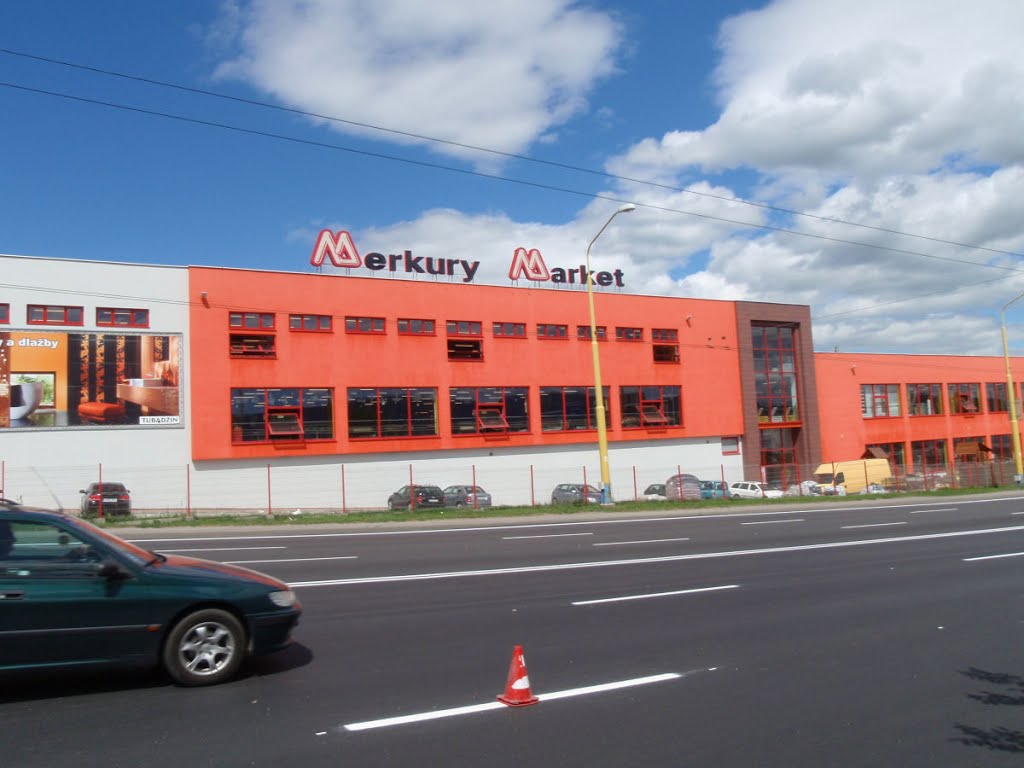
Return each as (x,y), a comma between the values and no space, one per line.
(340,250)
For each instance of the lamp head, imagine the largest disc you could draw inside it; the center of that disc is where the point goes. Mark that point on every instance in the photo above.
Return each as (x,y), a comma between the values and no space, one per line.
(626,208)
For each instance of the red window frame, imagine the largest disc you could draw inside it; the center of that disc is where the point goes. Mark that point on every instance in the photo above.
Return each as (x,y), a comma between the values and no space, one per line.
(495,418)
(54,314)
(471,328)
(664,334)
(5,313)
(320,323)
(624,333)
(426,327)
(132,318)
(284,423)
(583,332)
(251,321)
(552,331)
(509,330)
(367,325)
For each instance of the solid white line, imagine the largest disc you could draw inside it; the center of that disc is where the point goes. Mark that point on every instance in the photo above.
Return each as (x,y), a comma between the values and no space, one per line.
(220,549)
(649,560)
(1017,513)
(924,511)
(773,522)
(993,557)
(290,560)
(654,594)
(629,521)
(545,536)
(473,708)
(869,525)
(645,541)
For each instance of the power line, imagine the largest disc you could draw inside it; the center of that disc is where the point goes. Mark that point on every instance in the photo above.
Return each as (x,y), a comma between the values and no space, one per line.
(499,153)
(498,177)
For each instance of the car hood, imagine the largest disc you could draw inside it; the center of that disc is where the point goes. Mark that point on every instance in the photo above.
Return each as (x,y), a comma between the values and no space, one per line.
(195,568)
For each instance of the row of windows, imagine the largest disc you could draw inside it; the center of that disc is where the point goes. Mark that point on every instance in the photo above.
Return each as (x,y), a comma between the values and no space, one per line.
(265,321)
(934,452)
(55,314)
(461,345)
(879,400)
(291,414)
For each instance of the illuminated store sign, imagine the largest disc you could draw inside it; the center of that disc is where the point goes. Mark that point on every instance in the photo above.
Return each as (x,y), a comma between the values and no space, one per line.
(340,250)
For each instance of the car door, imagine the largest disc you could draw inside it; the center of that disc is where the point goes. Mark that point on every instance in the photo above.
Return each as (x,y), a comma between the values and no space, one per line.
(56,608)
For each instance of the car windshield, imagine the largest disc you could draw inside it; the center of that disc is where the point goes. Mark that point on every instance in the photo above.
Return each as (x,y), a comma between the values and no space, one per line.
(427,489)
(107,488)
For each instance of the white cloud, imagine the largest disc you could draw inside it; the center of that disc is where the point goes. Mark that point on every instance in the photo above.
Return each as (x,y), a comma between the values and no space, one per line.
(500,74)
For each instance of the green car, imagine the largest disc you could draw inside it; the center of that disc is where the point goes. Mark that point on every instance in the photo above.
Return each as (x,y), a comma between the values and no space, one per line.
(74,594)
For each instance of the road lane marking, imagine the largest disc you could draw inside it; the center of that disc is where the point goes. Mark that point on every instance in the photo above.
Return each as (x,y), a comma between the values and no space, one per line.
(868,525)
(773,522)
(654,594)
(545,536)
(925,511)
(221,549)
(993,557)
(290,560)
(644,541)
(648,560)
(491,705)
(1017,513)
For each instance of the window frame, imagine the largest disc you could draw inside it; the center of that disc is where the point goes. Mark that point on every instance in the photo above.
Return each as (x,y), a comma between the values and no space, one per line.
(5,313)
(323,323)
(472,329)
(518,330)
(629,334)
(65,310)
(583,332)
(934,397)
(876,401)
(553,331)
(406,328)
(970,391)
(132,320)
(252,321)
(569,419)
(384,425)
(285,401)
(365,325)
(649,410)
(497,399)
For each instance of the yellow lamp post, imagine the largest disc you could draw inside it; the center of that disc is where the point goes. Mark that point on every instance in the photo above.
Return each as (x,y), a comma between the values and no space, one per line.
(1018,476)
(602,430)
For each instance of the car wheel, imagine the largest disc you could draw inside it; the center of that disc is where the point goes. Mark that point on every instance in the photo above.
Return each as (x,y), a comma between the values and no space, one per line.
(204,648)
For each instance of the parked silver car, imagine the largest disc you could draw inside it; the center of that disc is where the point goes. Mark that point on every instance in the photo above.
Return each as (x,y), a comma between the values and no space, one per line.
(749,489)
(575,493)
(466,496)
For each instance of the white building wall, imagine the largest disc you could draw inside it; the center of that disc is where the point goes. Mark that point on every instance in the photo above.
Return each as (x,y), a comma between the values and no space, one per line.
(40,465)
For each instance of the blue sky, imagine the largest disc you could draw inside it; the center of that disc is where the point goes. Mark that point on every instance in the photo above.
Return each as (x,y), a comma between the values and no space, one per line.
(899,119)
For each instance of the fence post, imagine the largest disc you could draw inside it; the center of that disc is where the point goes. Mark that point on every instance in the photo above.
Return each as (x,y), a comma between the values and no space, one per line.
(584,481)
(270,504)
(344,510)
(725,488)
(3,478)
(533,496)
(476,504)
(865,475)
(188,492)
(100,510)
(412,491)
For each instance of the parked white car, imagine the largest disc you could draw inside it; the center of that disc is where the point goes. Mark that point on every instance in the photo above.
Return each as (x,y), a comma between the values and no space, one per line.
(745,489)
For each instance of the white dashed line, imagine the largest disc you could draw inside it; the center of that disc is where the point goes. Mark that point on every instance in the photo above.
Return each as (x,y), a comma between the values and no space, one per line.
(869,525)
(545,536)
(655,594)
(645,541)
(993,557)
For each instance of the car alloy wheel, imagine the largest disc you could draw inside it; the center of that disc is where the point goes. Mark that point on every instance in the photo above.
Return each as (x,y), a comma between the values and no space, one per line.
(204,648)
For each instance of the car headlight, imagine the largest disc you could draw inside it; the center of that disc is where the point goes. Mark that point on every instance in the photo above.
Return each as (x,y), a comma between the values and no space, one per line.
(283,599)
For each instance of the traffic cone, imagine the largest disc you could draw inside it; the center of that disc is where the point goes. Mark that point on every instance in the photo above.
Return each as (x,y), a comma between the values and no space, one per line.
(517,689)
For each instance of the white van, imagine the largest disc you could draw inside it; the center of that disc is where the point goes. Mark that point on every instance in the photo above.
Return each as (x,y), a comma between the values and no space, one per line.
(843,477)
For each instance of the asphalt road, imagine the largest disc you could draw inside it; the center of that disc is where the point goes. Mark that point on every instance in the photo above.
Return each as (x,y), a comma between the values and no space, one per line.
(882,634)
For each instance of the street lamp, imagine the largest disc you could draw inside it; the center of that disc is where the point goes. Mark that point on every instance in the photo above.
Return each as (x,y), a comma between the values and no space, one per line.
(602,431)
(1018,476)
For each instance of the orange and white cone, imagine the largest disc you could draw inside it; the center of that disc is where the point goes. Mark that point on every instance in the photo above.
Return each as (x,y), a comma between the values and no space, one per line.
(517,689)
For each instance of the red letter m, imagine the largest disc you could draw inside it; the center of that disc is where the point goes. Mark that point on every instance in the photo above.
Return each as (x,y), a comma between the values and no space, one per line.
(339,248)
(529,264)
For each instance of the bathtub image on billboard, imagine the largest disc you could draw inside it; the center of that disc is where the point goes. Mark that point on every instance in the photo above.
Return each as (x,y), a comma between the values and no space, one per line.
(57,379)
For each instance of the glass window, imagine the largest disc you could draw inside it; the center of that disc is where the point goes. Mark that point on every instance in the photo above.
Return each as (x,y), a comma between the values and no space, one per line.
(549,331)
(263,321)
(5,313)
(510,330)
(570,408)
(629,334)
(995,396)
(125,318)
(924,399)
(878,400)
(259,414)
(43,314)
(664,334)
(964,398)
(775,374)
(40,547)
(583,332)
(415,327)
(364,325)
(313,323)
(650,406)
(482,410)
(392,412)
(464,328)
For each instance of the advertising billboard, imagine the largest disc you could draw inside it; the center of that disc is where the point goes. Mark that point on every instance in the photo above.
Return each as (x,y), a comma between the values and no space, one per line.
(56,379)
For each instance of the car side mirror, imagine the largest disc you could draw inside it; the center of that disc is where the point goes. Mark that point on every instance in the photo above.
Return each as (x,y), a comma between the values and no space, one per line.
(110,570)
(81,490)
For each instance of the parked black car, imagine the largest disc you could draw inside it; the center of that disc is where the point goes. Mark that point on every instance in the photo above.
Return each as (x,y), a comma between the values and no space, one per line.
(416,497)
(114,499)
(75,594)
(466,496)
(575,493)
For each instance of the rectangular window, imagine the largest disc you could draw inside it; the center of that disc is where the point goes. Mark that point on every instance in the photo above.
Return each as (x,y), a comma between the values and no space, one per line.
(928,454)
(44,314)
(664,334)
(252,345)
(364,325)
(583,332)
(256,321)
(468,349)
(924,399)
(489,410)
(1002,446)
(995,395)
(549,331)
(629,334)
(894,452)
(281,414)
(408,326)
(510,330)
(650,406)
(5,313)
(571,408)
(878,400)
(730,446)
(123,318)
(666,353)
(464,328)
(964,398)
(776,373)
(311,323)
(392,412)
